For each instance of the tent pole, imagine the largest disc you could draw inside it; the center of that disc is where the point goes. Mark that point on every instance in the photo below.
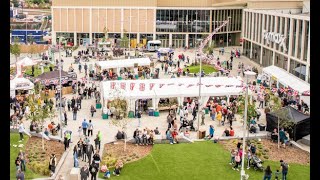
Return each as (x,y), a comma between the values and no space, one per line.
(278,133)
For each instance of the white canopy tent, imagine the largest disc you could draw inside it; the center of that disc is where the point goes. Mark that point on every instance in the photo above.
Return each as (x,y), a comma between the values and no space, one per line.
(20,84)
(286,78)
(125,63)
(24,62)
(175,87)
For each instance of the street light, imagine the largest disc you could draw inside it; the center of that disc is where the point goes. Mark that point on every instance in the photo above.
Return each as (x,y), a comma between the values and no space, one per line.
(60,94)
(228,31)
(130,37)
(251,74)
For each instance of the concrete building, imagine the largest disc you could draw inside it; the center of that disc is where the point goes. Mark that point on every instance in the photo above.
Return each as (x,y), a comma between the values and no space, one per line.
(268,28)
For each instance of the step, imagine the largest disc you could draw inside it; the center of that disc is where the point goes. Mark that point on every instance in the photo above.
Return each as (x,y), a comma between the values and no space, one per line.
(306,140)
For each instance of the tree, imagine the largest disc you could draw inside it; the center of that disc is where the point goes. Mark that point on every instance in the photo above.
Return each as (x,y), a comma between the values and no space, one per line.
(15,49)
(37,2)
(125,40)
(120,104)
(39,113)
(106,35)
(30,39)
(15,3)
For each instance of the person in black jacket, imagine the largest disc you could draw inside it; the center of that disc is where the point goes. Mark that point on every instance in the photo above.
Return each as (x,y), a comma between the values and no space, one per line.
(93,170)
(84,172)
(96,158)
(90,151)
(84,151)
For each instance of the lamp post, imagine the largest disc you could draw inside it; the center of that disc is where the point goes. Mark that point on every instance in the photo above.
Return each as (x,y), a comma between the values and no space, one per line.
(195,42)
(228,31)
(130,37)
(247,73)
(60,94)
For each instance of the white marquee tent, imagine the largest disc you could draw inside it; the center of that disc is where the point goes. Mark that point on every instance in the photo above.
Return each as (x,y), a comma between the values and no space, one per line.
(165,88)
(286,78)
(20,84)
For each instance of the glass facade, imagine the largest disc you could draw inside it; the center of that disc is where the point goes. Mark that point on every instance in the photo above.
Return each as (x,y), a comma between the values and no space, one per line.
(183,20)
(194,21)
(296,42)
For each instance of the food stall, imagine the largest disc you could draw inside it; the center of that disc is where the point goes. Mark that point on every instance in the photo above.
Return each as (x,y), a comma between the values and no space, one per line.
(20,87)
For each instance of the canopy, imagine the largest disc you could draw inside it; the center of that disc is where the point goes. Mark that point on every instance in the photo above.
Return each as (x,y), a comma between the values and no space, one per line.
(21,84)
(27,62)
(123,63)
(301,121)
(174,87)
(287,79)
(52,75)
(165,50)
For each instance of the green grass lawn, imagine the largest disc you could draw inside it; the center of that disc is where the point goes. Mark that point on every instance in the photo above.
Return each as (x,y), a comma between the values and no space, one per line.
(14,138)
(37,70)
(200,160)
(207,69)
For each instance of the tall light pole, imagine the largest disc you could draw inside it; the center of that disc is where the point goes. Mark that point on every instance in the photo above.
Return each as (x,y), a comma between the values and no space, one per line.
(195,42)
(60,94)
(228,31)
(130,37)
(247,73)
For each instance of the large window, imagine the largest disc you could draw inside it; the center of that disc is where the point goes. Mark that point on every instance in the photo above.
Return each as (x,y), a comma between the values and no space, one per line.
(298,69)
(183,21)
(266,57)
(281,61)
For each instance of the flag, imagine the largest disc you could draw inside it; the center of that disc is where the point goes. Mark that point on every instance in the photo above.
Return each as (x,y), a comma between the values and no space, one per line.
(199,84)
(160,85)
(132,86)
(112,85)
(170,84)
(190,85)
(151,85)
(209,85)
(274,90)
(217,86)
(296,93)
(180,84)
(123,85)
(141,86)
(229,85)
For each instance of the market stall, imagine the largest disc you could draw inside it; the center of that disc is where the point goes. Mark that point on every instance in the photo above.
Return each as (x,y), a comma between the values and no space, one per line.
(154,89)
(283,78)
(115,66)
(20,86)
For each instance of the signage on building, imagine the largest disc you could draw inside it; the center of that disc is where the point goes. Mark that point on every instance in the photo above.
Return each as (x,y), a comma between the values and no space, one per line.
(276,38)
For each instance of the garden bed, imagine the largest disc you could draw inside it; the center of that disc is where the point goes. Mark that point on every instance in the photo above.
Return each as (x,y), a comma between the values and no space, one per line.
(269,150)
(114,151)
(38,159)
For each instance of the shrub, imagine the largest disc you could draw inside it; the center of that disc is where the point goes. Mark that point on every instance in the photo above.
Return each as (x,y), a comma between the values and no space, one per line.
(266,157)
(266,150)
(263,153)
(258,154)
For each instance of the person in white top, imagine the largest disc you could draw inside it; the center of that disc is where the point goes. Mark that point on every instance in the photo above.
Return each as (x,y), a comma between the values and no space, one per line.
(21,131)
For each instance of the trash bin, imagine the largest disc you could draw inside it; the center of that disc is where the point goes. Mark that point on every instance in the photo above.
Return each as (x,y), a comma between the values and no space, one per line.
(105,116)
(151,112)
(262,127)
(202,134)
(156,113)
(206,110)
(136,76)
(119,78)
(131,114)
(98,106)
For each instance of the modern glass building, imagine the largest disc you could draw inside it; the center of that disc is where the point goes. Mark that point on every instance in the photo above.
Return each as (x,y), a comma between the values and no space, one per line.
(175,23)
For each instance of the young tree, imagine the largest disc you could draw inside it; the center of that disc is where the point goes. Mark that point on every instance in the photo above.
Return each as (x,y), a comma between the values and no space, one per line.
(125,40)
(39,113)
(120,104)
(15,49)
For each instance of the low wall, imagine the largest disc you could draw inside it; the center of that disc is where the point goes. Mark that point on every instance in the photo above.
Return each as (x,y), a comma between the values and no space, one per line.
(35,48)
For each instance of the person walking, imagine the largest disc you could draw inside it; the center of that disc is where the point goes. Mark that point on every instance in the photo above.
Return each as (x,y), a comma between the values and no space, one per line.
(284,168)
(85,68)
(92,110)
(75,157)
(84,127)
(21,131)
(84,172)
(22,160)
(79,67)
(93,170)
(20,175)
(96,158)
(237,158)
(100,137)
(74,112)
(90,151)
(90,128)
(69,104)
(139,117)
(267,173)
(65,118)
(96,142)
(52,164)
